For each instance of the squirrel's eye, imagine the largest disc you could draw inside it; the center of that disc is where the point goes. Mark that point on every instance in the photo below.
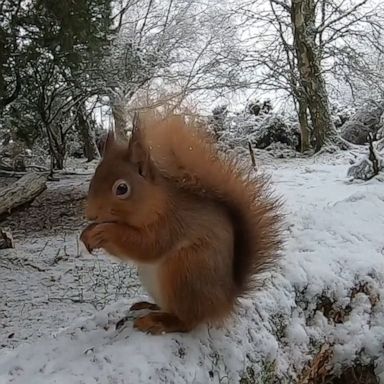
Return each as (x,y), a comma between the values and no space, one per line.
(121,189)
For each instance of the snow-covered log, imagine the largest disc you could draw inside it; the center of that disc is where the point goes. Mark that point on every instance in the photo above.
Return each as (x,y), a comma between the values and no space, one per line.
(22,191)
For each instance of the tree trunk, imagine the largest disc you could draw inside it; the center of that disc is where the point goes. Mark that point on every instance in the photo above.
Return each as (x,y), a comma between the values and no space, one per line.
(21,192)
(303,15)
(120,119)
(304,127)
(57,148)
(58,162)
(57,156)
(86,134)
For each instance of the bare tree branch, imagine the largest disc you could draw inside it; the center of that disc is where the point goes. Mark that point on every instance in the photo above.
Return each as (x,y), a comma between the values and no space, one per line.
(344,15)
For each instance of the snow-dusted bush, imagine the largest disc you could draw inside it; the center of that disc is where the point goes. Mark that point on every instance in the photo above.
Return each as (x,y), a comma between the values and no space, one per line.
(341,114)
(257,107)
(370,165)
(217,120)
(364,170)
(281,151)
(261,130)
(366,120)
(275,128)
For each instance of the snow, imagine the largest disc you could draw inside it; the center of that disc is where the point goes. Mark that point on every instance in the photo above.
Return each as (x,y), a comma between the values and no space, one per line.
(328,288)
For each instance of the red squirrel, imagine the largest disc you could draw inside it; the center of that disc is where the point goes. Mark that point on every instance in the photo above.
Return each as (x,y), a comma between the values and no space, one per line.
(199,224)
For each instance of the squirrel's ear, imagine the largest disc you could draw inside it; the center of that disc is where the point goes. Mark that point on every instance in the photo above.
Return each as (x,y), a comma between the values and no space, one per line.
(108,141)
(138,153)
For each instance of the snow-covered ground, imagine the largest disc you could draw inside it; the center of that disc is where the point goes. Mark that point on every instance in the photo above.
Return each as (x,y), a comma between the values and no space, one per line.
(60,307)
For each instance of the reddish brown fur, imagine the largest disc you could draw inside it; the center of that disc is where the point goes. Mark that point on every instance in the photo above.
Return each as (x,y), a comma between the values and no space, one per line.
(208,225)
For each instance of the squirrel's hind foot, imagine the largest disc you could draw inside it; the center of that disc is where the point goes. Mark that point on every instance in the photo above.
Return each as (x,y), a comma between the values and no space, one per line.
(158,323)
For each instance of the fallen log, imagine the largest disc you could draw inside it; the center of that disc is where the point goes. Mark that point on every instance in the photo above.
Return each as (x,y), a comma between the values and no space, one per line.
(23,191)
(5,166)
(12,173)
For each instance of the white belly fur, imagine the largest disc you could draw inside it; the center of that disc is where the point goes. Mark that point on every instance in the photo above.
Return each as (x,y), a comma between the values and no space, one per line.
(149,277)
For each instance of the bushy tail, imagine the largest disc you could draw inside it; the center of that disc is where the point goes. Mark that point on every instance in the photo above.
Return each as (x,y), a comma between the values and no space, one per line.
(187,155)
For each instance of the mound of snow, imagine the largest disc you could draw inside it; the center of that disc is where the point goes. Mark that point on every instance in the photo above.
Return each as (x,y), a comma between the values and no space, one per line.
(329,289)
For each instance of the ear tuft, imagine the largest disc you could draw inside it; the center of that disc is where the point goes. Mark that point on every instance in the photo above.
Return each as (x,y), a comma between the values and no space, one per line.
(136,134)
(138,152)
(107,142)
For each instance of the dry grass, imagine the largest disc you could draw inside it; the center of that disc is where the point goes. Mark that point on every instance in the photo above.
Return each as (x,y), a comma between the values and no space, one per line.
(320,371)
(319,368)
(358,374)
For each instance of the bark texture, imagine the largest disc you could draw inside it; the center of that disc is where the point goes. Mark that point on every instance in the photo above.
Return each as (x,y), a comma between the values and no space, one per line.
(305,136)
(303,13)
(86,133)
(120,119)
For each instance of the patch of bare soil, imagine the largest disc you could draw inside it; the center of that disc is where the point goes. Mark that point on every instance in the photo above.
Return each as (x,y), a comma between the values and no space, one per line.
(46,282)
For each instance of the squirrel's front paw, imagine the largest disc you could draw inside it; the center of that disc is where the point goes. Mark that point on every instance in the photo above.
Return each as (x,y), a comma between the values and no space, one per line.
(93,236)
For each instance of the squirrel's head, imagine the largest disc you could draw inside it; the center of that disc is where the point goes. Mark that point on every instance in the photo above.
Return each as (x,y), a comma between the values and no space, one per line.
(126,186)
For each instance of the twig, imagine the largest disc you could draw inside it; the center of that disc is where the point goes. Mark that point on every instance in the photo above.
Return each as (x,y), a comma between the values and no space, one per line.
(252,154)
(27,264)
